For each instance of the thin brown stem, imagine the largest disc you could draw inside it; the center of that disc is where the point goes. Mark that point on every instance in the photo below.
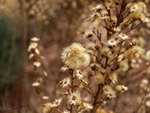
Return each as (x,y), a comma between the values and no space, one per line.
(143,98)
(23,53)
(71,73)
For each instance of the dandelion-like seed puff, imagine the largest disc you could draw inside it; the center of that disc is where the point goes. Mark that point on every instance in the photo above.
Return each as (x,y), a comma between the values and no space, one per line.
(75,56)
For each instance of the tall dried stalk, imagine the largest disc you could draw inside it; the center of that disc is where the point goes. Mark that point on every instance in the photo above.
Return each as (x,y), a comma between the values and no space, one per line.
(23,53)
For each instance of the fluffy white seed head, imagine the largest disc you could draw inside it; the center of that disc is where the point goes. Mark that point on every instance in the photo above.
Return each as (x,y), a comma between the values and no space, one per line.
(75,56)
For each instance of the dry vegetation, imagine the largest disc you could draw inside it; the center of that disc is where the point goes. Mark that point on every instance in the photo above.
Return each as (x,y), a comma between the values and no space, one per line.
(105,67)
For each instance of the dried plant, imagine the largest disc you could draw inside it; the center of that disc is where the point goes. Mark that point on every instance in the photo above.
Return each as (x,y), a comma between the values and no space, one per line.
(101,69)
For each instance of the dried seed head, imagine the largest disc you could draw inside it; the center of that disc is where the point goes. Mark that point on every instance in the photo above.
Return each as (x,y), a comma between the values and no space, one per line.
(100,111)
(124,65)
(113,77)
(98,7)
(75,56)
(121,88)
(109,92)
(102,70)
(87,105)
(99,78)
(35,84)
(74,98)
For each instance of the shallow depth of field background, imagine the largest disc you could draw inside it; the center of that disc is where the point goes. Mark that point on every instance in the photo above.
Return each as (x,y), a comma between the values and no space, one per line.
(56,23)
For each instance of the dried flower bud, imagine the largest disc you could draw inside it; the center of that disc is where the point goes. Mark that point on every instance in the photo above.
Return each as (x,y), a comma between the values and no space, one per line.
(87,105)
(99,78)
(64,68)
(47,109)
(83,85)
(102,70)
(34,39)
(97,47)
(98,8)
(147,103)
(121,88)
(124,65)
(148,55)
(45,73)
(109,91)
(85,81)
(74,98)
(111,112)
(88,34)
(100,111)
(93,66)
(113,77)
(79,74)
(45,97)
(39,80)
(35,84)
(37,64)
